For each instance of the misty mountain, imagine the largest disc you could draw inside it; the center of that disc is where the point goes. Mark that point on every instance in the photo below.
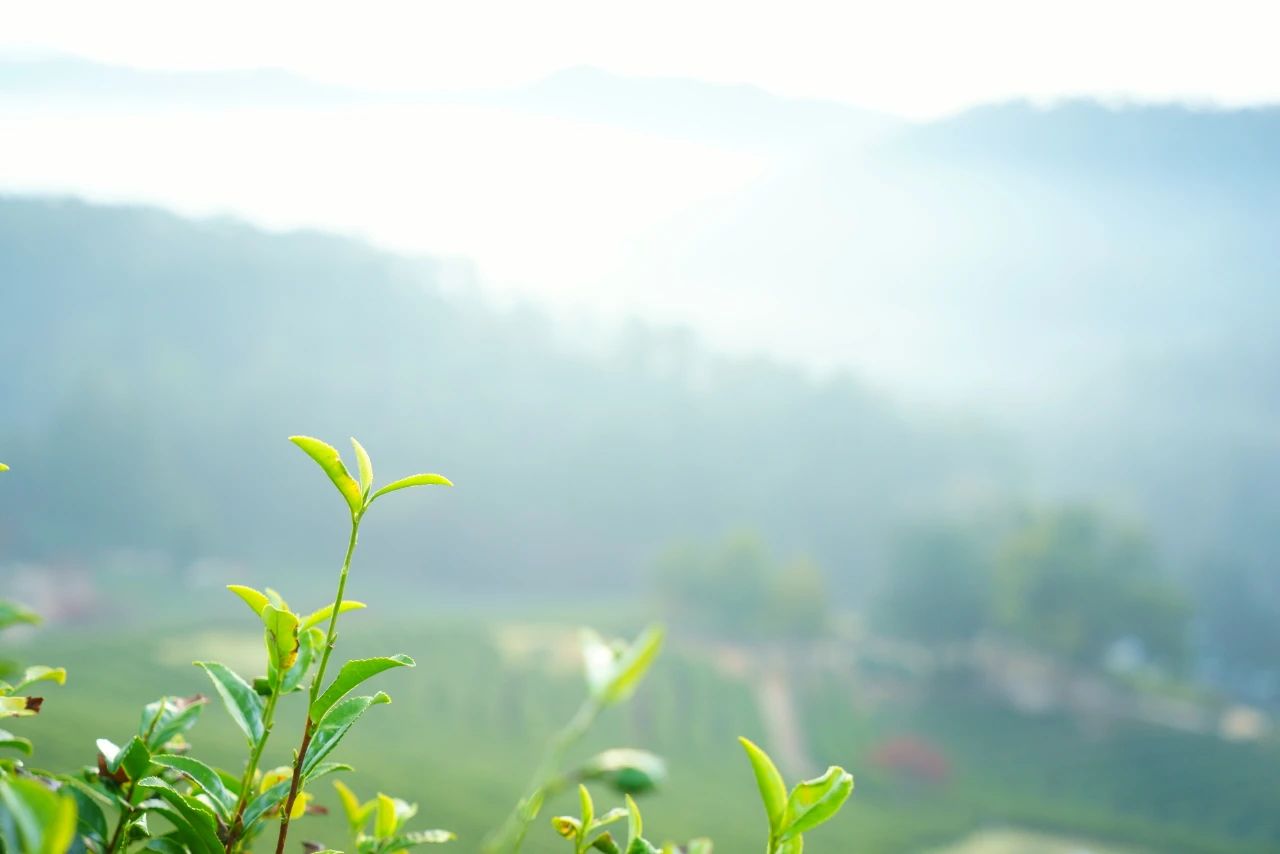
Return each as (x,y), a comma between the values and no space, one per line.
(1101,281)
(155,366)
(1096,281)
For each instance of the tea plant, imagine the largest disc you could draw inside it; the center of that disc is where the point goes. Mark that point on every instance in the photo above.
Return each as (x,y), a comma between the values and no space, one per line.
(810,803)
(152,794)
(613,672)
(587,832)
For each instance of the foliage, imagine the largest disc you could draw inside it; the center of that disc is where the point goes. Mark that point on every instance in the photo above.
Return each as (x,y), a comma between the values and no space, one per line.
(937,588)
(1074,583)
(737,588)
(809,804)
(151,793)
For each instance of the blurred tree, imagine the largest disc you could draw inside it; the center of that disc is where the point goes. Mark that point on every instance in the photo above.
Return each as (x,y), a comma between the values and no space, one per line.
(937,589)
(737,589)
(1073,583)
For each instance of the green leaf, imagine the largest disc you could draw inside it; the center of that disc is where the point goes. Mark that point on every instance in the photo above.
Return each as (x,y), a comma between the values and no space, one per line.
(315,618)
(15,742)
(604,842)
(198,817)
(177,715)
(265,802)
(34,819)
(204,777)
(255,599)
(193,838)
(328,458)
(357,813)
(133,760)
(11,614)
(365,465)
(334,726)
(351,675)
(773,791)
(612,676)
(814,801)
(629,771)
(635,824)
(20,707)
(91,822)
(615,814)
(40,673)
(588,810)
(274,597)
(242,703)
(309,644)
(412,480)
(281,636)
(165,845)
(567,826)
(384,821)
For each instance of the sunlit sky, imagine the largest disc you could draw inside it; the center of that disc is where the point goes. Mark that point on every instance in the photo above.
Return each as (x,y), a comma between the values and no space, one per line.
(907,57)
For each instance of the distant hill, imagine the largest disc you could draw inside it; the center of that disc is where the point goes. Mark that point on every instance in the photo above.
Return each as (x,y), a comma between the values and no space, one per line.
(155,365)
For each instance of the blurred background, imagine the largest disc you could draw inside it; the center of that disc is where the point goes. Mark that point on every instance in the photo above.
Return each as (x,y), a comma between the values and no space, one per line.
(916,363)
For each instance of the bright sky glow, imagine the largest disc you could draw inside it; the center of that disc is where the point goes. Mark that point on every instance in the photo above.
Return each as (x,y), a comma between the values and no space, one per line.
(909,57)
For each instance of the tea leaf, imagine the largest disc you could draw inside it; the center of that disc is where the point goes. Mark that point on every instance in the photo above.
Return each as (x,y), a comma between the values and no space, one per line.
(281,636)
(253,598)
(204,777)
(309,644)
(40,673)
(384,822)
(357,813)
(40,821)
(588,809)
(194,837)
(365,466)
(91,822)
(631,667)
(265,802)
(773,791)
(15,742)
(19,707)
(199,818)
(814,801)
(317,617)
(177,715)
(11,613)
(328,458)
(242,703)
(334,726)
(635,824)
(351,675)
(412,480)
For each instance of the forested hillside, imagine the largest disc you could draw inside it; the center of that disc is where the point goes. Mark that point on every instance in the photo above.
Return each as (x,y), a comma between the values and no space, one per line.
(154,367)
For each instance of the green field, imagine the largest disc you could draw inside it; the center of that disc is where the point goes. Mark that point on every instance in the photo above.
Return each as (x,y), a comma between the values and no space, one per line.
(466,728)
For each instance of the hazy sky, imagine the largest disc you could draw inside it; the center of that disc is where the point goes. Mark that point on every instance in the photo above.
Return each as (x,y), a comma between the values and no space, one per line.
(908,57)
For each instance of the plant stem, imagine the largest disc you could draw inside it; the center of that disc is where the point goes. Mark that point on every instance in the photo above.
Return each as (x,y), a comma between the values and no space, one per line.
(308,730)
(516,825)
(246,785)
